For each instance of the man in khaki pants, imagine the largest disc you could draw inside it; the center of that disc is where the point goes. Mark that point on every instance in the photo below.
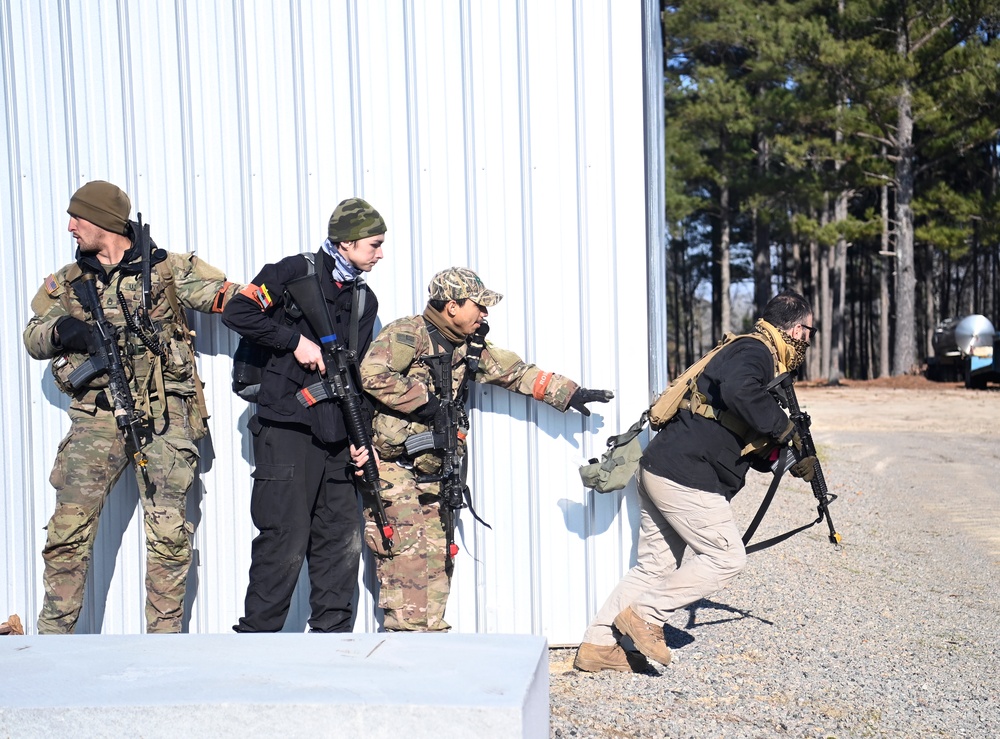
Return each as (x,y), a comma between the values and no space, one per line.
(687,475)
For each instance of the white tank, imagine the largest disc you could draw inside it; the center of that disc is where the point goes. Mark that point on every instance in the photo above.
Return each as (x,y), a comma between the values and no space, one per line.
(962,335)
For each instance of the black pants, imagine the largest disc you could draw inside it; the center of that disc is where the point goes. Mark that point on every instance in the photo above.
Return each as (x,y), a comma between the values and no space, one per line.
(305,505)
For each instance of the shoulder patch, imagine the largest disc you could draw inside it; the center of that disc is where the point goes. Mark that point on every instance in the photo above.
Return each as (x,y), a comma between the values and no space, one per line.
(407,340)
(51,285)
(259,295)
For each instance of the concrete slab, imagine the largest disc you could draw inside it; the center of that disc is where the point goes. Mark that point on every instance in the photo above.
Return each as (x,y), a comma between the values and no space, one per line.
(247,685)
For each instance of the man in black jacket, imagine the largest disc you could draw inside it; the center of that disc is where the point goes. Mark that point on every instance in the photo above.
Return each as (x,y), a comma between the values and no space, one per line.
(304,500)
(687,475)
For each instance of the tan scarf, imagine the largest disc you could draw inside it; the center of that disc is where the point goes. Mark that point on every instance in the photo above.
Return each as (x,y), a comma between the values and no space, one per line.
(437,320)
(791,352)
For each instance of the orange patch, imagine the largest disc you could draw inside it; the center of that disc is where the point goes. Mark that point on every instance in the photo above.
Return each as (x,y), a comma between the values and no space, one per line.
(541,382)
(259,295)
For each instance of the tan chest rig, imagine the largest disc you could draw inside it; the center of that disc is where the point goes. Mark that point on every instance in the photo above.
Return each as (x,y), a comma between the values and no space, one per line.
(156,363)
(697,403)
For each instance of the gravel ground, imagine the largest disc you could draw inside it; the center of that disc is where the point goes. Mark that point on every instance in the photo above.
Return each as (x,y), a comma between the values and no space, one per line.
(894,634)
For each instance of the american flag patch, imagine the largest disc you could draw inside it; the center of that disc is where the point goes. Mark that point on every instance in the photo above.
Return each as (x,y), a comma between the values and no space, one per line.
(50,284)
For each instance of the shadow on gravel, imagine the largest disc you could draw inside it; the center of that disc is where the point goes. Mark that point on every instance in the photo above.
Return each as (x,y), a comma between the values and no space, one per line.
(693,609)
(676,638)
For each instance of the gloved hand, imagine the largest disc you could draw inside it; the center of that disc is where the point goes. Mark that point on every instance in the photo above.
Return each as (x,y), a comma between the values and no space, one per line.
(74,334)
(426,412)
(582,396)
(804,468)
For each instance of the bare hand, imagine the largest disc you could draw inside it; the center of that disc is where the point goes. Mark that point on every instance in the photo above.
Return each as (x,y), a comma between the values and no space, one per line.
(360,456)
(309,356)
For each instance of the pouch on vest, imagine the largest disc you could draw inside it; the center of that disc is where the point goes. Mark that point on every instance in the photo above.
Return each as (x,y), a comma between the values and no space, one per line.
(249,361)
(618,464)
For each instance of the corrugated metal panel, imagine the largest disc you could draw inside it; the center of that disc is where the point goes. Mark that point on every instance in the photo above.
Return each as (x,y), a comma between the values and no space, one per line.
(509,137)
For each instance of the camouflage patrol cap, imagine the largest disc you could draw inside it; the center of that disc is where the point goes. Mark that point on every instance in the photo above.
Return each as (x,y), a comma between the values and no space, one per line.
(461,282)
(103,204)
(354,219)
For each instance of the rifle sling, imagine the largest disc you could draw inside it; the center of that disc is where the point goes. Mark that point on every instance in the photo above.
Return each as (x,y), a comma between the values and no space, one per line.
(782,464)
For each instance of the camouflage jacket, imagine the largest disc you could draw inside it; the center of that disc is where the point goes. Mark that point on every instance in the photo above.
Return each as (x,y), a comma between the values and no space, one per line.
(196,285)
(394,374)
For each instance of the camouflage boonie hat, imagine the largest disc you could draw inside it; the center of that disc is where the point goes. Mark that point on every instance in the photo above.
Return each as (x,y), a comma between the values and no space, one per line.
(460,282)
(354,219)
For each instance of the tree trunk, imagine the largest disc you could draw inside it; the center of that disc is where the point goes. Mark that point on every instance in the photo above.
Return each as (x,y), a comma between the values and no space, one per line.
(796,268)
(929,307)
(825,297)
(904,356)
(886,265)
(839,288)
(721,309)
(761,238)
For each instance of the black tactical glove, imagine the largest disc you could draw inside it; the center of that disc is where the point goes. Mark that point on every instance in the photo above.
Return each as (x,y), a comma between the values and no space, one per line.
(425,413)
(804,468)
(582,396)
(74,334)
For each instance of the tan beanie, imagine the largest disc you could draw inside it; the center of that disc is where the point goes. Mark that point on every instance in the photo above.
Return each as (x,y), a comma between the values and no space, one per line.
(103,204)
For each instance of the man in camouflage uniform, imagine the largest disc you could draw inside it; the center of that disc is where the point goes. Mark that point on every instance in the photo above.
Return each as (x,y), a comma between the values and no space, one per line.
(163,384)
(304,502)
(416,579)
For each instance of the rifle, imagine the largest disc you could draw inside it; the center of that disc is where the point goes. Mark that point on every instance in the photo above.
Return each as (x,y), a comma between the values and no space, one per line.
(444,435)
(783,389)
(141,324)
(340,386)
(106,358)
(449,427)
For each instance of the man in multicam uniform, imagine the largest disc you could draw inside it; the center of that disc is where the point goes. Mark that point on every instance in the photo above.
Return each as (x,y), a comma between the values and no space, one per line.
(304,501)
(415,581)
(93,455)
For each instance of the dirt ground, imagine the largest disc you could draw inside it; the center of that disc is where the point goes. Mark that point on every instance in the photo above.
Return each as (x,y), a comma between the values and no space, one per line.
(942,436)
(908,403)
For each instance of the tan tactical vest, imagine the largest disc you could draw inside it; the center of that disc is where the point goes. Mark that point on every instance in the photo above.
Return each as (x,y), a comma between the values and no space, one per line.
(152,375)
(683,394)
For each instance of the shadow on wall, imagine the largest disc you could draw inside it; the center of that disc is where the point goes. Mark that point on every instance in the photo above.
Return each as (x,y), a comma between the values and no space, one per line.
(598,513)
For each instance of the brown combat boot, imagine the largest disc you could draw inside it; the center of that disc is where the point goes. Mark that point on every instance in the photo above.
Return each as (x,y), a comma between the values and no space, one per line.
(594,658)
(647,637)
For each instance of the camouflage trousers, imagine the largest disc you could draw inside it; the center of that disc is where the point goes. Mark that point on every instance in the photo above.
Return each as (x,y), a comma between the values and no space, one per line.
(414,585)
(90,460)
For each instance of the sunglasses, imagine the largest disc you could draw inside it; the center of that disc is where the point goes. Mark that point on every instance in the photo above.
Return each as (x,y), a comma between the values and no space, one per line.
(811,329)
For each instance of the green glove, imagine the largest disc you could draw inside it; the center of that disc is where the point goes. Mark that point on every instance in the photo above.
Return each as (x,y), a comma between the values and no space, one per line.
(804,468)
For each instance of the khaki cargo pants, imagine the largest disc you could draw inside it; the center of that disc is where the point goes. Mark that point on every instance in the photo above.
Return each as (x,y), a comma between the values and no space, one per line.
(689,548)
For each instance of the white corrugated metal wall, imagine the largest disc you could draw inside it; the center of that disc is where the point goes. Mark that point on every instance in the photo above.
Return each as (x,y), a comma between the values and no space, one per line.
(507,136)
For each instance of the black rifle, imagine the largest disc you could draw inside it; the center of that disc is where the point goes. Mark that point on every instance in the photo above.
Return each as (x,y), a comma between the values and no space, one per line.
(106,358)
(140,323)
(339,385)
(449,427)
(783,389)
